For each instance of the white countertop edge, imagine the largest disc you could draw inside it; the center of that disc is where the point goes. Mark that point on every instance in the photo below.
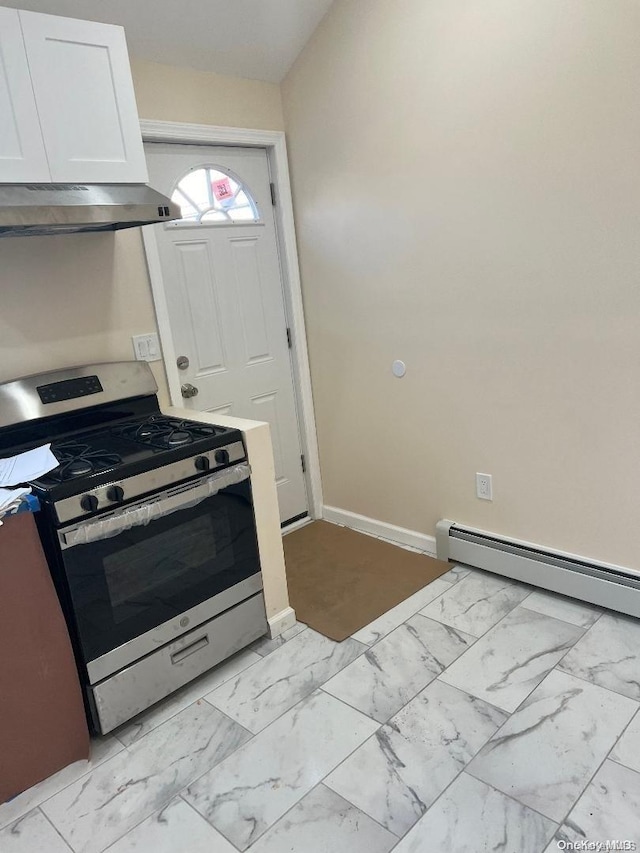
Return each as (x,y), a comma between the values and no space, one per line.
(243,424)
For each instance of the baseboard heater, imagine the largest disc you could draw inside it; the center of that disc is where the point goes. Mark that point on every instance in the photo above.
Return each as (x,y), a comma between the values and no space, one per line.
(615,587)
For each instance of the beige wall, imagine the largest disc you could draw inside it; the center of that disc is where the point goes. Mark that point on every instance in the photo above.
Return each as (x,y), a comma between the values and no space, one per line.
(78,299)
(72,300)
(169,93)
(467,192)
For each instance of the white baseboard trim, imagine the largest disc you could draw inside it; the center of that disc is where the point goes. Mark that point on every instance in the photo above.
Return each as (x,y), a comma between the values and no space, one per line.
(281,621)
(382,529)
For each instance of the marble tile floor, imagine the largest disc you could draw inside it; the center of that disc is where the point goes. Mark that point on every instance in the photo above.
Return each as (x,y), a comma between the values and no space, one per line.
(478,715)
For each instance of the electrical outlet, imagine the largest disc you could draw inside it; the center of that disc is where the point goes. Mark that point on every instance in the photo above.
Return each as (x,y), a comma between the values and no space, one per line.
(484,487)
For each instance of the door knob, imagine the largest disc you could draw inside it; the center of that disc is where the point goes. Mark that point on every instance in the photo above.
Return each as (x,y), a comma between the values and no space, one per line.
(188,390)
(183,362)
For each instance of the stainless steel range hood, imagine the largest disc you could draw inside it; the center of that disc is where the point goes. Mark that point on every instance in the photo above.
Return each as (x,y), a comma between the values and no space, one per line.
(44,209)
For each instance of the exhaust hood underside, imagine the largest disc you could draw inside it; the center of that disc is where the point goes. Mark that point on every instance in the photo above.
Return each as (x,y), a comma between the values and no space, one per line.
(46,209)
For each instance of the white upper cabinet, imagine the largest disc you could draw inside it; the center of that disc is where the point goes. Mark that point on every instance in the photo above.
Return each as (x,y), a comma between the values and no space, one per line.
(66,87)
(84,94)
(22,153)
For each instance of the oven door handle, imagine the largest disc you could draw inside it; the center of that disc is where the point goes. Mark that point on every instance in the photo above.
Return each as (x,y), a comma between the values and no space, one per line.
(159,506)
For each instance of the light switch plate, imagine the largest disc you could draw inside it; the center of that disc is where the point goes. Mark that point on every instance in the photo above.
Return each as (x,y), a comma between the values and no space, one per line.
(147,347)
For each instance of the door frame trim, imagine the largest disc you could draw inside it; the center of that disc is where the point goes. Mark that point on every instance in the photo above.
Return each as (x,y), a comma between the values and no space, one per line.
(275,144)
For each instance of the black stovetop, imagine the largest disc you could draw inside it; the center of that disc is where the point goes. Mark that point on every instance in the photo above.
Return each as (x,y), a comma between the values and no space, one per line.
(119,444)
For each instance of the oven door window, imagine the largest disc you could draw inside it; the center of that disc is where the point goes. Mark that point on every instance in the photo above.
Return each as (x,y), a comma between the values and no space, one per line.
(126,585)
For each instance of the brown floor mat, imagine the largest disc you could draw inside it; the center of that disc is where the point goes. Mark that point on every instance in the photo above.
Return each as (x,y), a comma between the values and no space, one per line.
(340,580)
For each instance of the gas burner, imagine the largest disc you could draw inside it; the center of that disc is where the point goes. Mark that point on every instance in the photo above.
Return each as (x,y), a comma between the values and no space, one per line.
(77,460)
(79,468)
(164,432)
(178,437)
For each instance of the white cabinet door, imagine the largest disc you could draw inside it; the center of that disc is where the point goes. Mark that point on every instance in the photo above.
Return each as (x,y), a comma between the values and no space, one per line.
(84,94)
(22,154)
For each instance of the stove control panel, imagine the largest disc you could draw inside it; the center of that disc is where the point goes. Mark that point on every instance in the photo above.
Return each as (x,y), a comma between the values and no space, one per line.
(69,389)
(109,495)
(112,493)
(103,496)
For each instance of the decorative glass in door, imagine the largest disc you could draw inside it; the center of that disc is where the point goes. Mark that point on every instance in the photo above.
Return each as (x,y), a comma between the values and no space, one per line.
(208,195)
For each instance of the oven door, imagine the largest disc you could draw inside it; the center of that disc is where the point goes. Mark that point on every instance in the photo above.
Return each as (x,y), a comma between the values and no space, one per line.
(142,575)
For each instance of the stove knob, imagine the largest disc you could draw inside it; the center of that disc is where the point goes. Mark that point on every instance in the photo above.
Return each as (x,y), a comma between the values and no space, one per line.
(202,463)
(115,494)
(222,457)
(89,503)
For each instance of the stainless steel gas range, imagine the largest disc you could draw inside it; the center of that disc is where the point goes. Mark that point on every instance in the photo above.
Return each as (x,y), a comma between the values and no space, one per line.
(148,527)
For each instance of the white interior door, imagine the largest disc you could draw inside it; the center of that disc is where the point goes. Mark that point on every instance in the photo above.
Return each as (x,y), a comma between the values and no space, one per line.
(223,287)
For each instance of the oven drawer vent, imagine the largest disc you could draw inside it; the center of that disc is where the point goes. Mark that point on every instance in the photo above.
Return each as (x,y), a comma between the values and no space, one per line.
(125,694)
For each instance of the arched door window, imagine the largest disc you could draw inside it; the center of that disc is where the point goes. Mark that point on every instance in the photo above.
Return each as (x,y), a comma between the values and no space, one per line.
(210,196)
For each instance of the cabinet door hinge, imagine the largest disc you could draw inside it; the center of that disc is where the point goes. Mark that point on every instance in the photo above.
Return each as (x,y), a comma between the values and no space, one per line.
(272,187)
(303,463)
(289,337)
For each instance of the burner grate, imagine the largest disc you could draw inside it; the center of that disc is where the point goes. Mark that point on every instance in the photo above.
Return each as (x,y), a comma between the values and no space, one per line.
(164,432)
(77,460)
